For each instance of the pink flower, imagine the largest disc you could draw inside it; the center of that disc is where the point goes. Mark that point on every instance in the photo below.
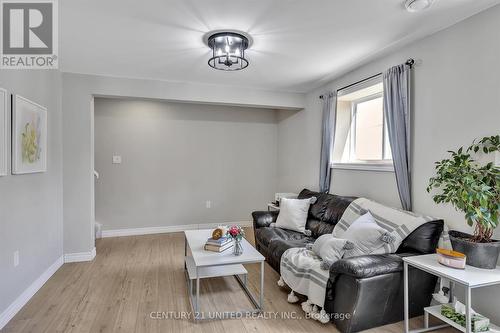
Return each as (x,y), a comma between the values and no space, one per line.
(235,231)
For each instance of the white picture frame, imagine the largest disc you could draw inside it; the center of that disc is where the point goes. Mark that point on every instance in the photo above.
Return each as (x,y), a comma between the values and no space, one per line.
(29,136)
(4,120)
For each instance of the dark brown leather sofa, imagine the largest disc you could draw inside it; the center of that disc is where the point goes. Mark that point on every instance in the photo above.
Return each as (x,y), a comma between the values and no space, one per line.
(369,289)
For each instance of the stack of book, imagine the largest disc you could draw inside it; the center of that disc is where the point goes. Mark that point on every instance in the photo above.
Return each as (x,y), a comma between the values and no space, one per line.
(219,245)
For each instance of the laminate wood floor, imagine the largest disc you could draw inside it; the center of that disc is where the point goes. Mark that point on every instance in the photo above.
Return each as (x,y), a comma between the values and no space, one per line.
(133,279)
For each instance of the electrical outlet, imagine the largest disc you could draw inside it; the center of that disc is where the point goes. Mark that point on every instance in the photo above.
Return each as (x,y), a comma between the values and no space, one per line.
(208,204)
(117,159)
(16,258)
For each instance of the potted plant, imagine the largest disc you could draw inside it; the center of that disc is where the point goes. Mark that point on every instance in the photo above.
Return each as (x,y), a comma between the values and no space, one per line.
(474,189)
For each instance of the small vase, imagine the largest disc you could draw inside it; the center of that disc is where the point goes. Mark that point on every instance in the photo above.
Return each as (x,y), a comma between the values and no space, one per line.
(237,248)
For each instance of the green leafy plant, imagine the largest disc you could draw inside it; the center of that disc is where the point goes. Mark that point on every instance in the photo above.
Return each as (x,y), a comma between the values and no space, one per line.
(470,187)
(477,320)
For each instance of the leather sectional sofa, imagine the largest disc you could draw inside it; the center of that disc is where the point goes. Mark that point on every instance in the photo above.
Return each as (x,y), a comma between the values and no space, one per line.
(368,288)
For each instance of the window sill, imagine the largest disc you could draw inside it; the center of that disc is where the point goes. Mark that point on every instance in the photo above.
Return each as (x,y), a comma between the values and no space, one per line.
(382,167)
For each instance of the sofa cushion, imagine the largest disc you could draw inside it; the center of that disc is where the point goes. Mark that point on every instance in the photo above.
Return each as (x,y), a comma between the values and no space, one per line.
(325,212)
(318,228)
(278,246)
(267,234)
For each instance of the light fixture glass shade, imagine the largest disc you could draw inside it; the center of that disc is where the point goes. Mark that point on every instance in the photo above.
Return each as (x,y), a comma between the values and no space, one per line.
(228,51)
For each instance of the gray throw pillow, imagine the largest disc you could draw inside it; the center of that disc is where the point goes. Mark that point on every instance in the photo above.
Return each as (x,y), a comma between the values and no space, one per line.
(330,249)
(319,242)
(366,235)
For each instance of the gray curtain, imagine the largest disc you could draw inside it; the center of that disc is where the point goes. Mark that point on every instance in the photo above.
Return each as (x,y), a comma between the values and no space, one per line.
(397,115)
(327,139)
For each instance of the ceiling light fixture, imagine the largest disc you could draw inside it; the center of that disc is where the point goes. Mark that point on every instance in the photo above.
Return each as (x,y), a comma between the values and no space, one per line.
(228,50)
(417,5)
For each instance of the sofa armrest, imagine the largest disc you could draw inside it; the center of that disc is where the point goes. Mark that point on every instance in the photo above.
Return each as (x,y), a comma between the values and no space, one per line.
(264,218)
(369,265)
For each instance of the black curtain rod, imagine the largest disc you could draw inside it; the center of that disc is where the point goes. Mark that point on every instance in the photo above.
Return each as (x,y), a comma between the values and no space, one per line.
(410,62)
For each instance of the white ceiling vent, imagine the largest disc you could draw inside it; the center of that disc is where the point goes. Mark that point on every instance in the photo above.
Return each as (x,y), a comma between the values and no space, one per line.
(417,5)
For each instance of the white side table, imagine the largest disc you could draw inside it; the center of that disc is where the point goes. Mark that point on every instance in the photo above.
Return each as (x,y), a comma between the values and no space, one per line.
(272,206)
(470,278)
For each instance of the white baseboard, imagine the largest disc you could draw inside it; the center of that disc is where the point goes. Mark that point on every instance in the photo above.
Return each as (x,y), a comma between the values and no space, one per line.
(80,256)
(17,305)
(167,229)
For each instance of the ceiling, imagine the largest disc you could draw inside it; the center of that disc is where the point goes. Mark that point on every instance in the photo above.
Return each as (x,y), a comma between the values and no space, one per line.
(298,44)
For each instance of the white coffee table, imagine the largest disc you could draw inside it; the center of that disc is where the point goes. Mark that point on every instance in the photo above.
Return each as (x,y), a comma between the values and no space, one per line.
(201,264)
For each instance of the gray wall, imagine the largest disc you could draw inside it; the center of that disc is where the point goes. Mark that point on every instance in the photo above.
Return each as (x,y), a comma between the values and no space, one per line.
(31,204)
(456,99)
(176,156)
(78,133)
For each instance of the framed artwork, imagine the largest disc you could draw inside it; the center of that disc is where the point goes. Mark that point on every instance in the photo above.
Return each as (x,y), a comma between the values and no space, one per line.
(29,136)
(3,131)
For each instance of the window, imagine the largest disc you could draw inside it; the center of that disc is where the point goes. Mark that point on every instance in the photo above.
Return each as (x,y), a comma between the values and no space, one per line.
(361,138)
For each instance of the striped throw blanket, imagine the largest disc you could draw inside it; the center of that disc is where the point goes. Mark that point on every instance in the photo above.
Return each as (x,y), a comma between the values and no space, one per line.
(399,223)
(301,268)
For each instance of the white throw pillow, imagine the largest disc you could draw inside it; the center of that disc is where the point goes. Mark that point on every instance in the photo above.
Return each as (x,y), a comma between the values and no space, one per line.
(366,235)
(293,214)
